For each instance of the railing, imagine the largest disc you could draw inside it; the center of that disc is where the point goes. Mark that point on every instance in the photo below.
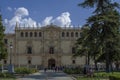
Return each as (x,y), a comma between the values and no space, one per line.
(29,28)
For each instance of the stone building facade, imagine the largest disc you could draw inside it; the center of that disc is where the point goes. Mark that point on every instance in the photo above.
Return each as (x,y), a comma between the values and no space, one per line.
(46,46)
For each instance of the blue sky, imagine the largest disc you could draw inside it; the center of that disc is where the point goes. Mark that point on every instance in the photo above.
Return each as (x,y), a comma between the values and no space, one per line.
(43,12)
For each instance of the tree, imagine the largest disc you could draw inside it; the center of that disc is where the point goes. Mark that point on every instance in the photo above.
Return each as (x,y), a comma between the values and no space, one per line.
(82,48)
(100,5)
(86,45)
(3,52)
(108,36)
(104,30)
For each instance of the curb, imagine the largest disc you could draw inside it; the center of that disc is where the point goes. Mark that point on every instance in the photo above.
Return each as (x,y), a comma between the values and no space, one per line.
(73,77)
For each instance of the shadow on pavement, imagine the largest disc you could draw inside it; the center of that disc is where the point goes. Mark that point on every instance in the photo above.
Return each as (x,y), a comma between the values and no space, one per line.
(45,75)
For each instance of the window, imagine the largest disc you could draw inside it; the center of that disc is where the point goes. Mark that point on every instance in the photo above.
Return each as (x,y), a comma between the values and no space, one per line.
(26,34)
(5,62)
(67,34)
(76,34)
(31,34)
(73,62)
(29,50)
(29,61)
(6,41)
(22,34)
(73,50)
(72,34)
(40,34)
(51,50)
(35,34)
(63,34)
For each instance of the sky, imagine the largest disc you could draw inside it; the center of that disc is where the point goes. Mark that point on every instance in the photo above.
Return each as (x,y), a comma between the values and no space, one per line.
(43,12)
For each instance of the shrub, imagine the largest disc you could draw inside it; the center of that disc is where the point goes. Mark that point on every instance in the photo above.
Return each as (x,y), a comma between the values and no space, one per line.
(101,74)
(6,75)
(23,70)
(111,75)
(114,77)
(73,70)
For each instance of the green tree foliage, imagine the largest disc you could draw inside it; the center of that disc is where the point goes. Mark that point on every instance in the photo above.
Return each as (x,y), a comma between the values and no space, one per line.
(3,52)
(103,38)
(100,5)
(108,28)
(82,48)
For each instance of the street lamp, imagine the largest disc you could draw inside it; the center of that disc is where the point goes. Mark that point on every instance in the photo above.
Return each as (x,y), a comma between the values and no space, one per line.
(11,67)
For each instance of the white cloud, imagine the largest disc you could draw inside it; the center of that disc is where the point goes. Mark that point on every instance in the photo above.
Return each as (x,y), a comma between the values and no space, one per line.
(22,13)
(6,21)
(9,8)
(63,20)
(13,21)
(28,22)
(47,21)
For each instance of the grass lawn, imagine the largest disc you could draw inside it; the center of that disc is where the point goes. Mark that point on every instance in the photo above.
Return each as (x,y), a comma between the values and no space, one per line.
(7,79)
(85,78)
(104,74)
(99,76)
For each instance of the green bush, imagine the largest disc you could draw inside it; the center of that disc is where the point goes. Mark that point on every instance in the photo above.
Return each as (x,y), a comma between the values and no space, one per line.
(73,70)
(23,70)
(0,65)
(6,75)
(114,77)
(32,70)
(104,74)
(101,74)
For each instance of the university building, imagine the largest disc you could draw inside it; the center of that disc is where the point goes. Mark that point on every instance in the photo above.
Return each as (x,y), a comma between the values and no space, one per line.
(46,46)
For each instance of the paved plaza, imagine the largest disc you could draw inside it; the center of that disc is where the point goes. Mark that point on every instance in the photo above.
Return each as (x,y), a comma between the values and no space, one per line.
(49,75)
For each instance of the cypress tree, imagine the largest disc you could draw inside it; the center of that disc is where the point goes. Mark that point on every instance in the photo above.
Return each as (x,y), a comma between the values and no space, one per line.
(3,52)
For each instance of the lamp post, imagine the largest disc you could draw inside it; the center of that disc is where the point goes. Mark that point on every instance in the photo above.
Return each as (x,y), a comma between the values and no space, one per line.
(11,67)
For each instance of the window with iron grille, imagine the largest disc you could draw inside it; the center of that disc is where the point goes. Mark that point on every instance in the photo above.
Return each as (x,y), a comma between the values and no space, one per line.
(73,50)
(22,34)
(63,34)
(26,34)
(73,62)
(67,34)
(29,50)
(29,61)
(72,34)
(31,34)
(35,34)
(51,50)
(6,41)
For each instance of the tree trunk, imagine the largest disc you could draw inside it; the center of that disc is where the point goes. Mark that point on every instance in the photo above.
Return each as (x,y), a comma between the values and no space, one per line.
(2,66)
(117,65)
(107,63)
(95,63)
(88,59)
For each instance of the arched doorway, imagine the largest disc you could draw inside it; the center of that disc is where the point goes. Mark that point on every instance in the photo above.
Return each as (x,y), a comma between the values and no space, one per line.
(51,63)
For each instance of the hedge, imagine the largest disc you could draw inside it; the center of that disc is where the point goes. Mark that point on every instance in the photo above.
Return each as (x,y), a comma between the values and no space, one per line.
(73,70)
(6,75)
(23,70)
(114,77)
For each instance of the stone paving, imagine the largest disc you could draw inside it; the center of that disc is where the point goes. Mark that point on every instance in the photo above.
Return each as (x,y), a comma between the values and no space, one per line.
(49,75)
